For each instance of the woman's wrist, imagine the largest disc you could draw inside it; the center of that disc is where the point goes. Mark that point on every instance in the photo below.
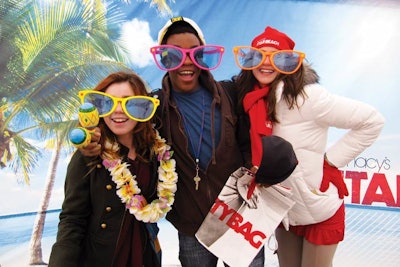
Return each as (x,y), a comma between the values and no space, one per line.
(327,160)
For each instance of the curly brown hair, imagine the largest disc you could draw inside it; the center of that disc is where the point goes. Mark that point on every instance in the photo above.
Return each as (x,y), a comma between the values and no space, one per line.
(144,132)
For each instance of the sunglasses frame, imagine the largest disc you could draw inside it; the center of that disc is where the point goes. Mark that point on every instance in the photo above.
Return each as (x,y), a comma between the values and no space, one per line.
(270,57)
(185,53)
(116,100)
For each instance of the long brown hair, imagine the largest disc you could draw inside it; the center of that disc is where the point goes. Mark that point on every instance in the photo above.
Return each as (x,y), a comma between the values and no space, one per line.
(144,134)
(293,86)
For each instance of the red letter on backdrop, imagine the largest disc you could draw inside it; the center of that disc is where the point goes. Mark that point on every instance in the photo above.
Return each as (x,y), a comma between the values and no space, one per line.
(398,190)
(356,178)
(379,181)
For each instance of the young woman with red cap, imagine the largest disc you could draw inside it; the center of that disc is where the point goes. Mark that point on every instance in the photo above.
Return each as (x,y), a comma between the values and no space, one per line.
(280,95)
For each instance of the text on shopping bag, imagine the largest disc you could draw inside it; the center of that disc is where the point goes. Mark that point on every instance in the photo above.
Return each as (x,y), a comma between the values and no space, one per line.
(235,221)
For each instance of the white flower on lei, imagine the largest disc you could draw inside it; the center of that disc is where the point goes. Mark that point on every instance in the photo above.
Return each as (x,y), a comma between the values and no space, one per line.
(129,192)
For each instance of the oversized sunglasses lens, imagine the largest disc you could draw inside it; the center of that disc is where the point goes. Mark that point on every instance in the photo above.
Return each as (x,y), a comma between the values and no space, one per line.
(170,58)
(286,61)
(207,57)
(103,103)
(140,108)
(248,58)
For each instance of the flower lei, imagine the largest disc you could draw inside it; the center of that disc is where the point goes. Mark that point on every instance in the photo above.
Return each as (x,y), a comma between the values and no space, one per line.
(129,192)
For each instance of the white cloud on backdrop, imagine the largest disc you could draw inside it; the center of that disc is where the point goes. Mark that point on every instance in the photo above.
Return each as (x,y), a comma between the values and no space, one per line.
(136,37)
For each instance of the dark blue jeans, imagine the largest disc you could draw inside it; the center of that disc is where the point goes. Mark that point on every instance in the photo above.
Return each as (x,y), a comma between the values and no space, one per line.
(194,254)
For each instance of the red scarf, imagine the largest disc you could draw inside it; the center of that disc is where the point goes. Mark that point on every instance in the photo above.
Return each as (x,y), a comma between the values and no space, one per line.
(260,125)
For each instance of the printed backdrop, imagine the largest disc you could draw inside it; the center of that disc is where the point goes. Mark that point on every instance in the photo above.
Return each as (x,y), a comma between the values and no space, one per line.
(353,45)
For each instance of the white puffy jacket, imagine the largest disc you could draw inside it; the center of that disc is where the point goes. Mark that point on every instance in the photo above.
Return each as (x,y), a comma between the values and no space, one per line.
(306,128)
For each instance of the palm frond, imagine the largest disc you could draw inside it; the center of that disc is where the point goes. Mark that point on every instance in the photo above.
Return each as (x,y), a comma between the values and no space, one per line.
(26,158)
(162,6)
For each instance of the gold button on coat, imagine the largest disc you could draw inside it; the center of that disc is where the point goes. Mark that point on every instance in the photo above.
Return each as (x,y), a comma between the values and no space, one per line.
(108,209)
(103,225)
(108,187)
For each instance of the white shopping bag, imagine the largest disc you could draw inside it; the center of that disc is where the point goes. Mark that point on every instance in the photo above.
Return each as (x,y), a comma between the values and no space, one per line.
(236,228)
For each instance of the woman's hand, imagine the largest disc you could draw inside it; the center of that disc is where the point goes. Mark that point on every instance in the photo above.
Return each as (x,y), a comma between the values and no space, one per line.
(333,175)
(93,149)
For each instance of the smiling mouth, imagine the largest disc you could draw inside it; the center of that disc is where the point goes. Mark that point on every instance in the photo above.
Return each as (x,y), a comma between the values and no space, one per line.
(186,73)
(266,71)
(119,120)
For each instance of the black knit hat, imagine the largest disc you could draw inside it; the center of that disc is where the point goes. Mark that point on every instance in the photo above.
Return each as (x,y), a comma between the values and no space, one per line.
(278,160)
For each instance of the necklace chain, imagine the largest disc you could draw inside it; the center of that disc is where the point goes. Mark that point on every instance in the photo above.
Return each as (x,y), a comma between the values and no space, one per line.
(196,178)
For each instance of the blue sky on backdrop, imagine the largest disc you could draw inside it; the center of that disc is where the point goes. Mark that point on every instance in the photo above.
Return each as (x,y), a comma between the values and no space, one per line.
(353,45)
